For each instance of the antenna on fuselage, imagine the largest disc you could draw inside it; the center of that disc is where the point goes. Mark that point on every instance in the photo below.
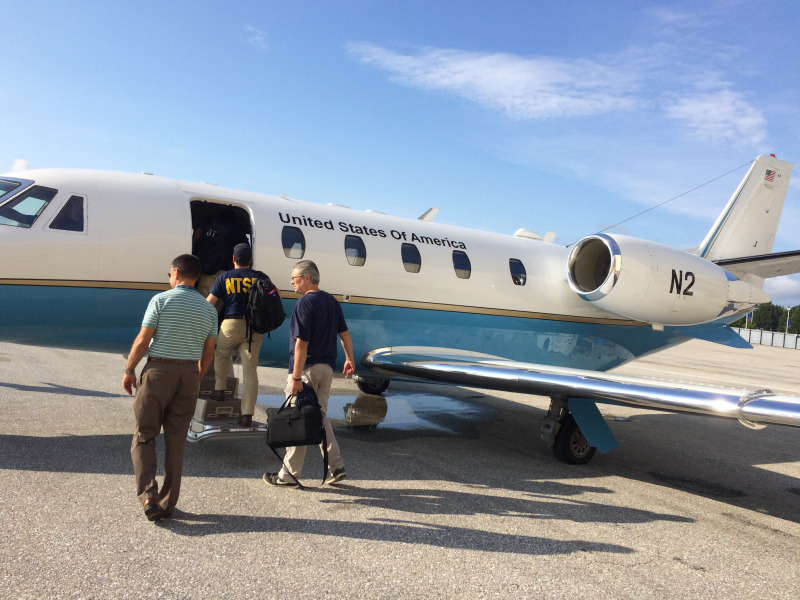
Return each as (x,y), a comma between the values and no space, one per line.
(429,214)
(548,238)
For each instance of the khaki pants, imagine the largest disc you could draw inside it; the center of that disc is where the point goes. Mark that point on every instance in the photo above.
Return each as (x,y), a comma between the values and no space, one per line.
(318,377)
(166,396)
(232,335)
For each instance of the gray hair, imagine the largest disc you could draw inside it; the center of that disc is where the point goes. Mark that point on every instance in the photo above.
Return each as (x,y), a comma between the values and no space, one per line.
(307,267)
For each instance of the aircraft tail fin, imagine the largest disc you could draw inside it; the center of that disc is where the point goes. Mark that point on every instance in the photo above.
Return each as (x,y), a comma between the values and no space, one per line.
(747,225)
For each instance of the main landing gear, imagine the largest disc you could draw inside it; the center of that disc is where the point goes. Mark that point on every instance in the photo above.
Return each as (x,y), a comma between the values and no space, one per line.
(375,387)
(561,433)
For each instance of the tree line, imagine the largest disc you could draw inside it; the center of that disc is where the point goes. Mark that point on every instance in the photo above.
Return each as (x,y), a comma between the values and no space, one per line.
(771,317)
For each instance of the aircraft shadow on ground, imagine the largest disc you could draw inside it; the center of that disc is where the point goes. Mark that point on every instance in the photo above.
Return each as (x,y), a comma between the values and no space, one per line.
(714,458)
(385,530)
(542,500)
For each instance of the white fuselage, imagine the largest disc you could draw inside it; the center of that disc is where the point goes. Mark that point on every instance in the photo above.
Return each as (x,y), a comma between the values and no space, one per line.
(93,284)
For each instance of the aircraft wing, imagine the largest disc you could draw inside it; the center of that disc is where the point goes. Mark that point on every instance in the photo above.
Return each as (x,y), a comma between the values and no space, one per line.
(751,408)
(764,265)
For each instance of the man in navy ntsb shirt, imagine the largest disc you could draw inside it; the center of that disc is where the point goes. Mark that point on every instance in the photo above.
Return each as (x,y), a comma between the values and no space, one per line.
(231,287)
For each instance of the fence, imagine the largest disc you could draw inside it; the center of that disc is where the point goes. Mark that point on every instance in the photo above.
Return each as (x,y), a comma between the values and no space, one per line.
(769,338)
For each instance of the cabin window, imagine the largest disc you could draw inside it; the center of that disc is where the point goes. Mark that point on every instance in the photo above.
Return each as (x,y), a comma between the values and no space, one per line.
(518,275)
(412,261)
(355,250)
(461,264)
(294,242)
(70,218)
(26,208)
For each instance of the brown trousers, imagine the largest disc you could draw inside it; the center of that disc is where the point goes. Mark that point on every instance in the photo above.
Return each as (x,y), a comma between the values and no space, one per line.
(165,397)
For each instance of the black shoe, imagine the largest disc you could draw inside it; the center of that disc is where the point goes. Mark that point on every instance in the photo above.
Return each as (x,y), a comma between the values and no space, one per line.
(273,479)
(336,476)
(218,395)
(153,511)
(245,420)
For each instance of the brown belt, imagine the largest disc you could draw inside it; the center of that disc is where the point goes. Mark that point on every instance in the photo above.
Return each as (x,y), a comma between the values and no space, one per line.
(235,317)
(170,361)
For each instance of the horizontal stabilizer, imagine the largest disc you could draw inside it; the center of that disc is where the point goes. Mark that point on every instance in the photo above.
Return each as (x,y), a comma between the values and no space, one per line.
(764,265)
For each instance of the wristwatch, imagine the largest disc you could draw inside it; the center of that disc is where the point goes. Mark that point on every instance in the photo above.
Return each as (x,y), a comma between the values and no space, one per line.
(129,371)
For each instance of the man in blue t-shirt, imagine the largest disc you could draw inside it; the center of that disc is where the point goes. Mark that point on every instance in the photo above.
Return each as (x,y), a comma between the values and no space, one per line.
(231,287)
(316,320)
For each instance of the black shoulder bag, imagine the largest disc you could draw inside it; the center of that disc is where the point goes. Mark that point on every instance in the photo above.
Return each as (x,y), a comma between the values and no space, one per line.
(298,422)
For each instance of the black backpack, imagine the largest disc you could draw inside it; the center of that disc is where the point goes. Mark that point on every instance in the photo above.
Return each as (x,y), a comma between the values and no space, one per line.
(264,310)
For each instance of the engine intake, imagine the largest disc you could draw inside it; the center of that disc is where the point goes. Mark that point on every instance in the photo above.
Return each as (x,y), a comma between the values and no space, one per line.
(654,283)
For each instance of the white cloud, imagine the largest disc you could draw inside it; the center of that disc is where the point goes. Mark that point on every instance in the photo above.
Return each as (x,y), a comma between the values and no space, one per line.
(521,88)
(675,21)
(784,291)
(20,164)
(674,17)
(257,38)
(535,88)
(608,119)
(720,117)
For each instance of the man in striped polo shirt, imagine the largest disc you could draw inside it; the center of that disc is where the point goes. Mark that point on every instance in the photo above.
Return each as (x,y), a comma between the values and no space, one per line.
(178,334)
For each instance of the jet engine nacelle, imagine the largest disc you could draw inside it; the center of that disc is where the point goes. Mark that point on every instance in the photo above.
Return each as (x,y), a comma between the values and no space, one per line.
(653,283)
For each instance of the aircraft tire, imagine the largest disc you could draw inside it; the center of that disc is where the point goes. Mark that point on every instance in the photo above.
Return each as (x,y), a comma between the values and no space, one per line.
(374,387)
(570,445)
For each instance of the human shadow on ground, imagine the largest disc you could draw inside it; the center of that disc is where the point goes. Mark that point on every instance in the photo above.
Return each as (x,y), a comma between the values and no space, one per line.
(54,388)
(530,498)
(541,502)
(385,530)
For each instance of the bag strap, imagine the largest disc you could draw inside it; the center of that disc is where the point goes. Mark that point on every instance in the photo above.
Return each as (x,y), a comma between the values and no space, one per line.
(324,451)
(324,461)
(248,325)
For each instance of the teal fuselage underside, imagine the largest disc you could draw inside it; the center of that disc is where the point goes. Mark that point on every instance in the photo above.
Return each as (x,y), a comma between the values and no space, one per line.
(103,319)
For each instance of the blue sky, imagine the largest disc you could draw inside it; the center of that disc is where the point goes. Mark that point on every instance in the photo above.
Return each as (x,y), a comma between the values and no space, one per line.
(552,116)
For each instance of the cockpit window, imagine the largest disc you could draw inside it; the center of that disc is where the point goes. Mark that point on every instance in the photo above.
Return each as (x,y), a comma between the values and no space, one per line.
(26,208)
(6,187)
(70,218)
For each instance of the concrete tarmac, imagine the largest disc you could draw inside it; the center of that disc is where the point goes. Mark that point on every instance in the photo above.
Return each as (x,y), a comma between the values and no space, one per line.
(451,495)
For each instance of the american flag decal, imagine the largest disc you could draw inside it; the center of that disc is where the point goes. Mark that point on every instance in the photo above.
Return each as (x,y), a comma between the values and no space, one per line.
(770,175)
